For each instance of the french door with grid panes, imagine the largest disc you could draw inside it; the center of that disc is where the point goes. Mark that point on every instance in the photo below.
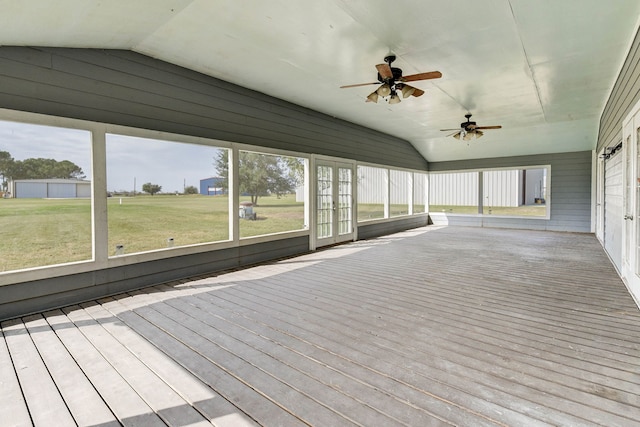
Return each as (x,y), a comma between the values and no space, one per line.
(334,202)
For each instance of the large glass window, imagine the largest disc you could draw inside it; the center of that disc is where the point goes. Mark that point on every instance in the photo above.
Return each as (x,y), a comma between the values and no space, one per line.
(163,194)
(45,195)
(506,192)
(271,193)
(515,192)
(372,192)
(453,192)
(399,182)
(419,192)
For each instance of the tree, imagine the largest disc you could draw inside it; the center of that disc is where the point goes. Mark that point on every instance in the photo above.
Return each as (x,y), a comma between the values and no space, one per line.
(37,168)
(151,188)
(5,163)
(191,190)
(259,174)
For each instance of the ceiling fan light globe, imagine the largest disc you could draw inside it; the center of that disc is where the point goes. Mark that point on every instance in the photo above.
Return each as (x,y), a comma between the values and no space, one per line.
(373,97)
(467,136)
(407,91)
(395,99)
(457,135)
(479,134)
(384,90)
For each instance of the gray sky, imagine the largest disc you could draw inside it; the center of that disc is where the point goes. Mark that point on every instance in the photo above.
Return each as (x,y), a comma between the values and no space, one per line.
(171,165)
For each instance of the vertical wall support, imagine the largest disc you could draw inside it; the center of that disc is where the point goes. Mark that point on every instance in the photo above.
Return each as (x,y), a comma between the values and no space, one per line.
(311,186)
(99,206)
(234,194)
(480,192)
(410,184)
(387,194)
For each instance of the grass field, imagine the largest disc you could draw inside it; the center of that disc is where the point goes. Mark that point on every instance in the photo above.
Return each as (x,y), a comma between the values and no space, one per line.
(37,232)
(525,210)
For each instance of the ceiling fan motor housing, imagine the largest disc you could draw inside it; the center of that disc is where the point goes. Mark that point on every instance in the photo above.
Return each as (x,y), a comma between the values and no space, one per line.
(396,73)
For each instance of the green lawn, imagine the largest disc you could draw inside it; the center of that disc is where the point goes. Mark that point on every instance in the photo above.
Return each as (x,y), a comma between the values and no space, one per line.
(37,232)
(525,210)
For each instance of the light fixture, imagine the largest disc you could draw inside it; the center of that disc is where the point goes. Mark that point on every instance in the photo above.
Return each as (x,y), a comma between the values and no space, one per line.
(384,90)
(394,99)
(407,91)
(478,134)
(373,97)
(467,136)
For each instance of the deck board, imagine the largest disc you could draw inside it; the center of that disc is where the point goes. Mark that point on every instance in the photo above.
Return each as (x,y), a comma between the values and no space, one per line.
(431,327)
(85,404)
(47,407)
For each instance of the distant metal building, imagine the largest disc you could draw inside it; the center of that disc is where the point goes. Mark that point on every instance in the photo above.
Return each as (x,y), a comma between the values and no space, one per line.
(49,188)
(212,186)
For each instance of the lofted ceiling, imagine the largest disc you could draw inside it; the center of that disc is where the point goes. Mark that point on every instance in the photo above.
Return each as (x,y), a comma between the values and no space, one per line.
(542,69)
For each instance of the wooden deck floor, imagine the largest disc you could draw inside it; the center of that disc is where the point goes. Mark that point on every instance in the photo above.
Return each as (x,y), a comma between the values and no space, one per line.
(434,326)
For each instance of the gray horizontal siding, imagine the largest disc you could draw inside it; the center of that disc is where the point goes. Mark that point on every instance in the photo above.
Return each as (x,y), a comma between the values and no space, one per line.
(624,95)
(126,88)
(570,192)
(369,231)
(24,298)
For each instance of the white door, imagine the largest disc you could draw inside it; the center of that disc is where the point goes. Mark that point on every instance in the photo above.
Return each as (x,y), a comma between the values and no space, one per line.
(631,199)
(613,208)
(334,202)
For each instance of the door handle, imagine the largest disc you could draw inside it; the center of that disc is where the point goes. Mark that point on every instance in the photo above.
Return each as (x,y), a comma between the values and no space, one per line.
(334,206)
(629,217)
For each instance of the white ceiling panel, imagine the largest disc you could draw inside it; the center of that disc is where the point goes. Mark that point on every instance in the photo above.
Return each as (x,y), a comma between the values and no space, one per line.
(542,69)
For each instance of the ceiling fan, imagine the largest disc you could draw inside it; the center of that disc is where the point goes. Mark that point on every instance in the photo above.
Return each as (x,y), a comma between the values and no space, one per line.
(392,81)
(469,129)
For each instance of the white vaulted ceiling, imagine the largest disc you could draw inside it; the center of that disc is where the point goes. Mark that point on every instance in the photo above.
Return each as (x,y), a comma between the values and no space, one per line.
(542,69)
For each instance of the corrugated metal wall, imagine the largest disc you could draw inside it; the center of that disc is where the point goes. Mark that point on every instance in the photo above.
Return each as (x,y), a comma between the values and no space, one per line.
(370,182)
(30,190)
(502,188)
(453,189)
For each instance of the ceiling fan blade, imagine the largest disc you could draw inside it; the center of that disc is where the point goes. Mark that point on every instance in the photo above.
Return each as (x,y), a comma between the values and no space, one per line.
(385,71)
(489,127)
(417,92)
(359,84)
(421,76)
(449,130)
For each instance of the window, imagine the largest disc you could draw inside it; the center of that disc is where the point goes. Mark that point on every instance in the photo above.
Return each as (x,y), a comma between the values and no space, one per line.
(453,192)
(419,192)
(520,192)
(45,195)
(271,193)
(163,194)
(372,192)
(515,192)
(399,182)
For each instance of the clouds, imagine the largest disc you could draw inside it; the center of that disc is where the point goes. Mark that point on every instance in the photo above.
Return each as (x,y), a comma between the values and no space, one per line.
(24,141)
(169,164)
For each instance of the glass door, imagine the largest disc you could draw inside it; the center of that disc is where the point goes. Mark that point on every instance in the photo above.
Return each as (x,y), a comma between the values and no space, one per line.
(334,202)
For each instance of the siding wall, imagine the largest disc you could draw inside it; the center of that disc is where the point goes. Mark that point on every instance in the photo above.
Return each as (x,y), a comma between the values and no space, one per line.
(129,89)
(624,95)
(569,195)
